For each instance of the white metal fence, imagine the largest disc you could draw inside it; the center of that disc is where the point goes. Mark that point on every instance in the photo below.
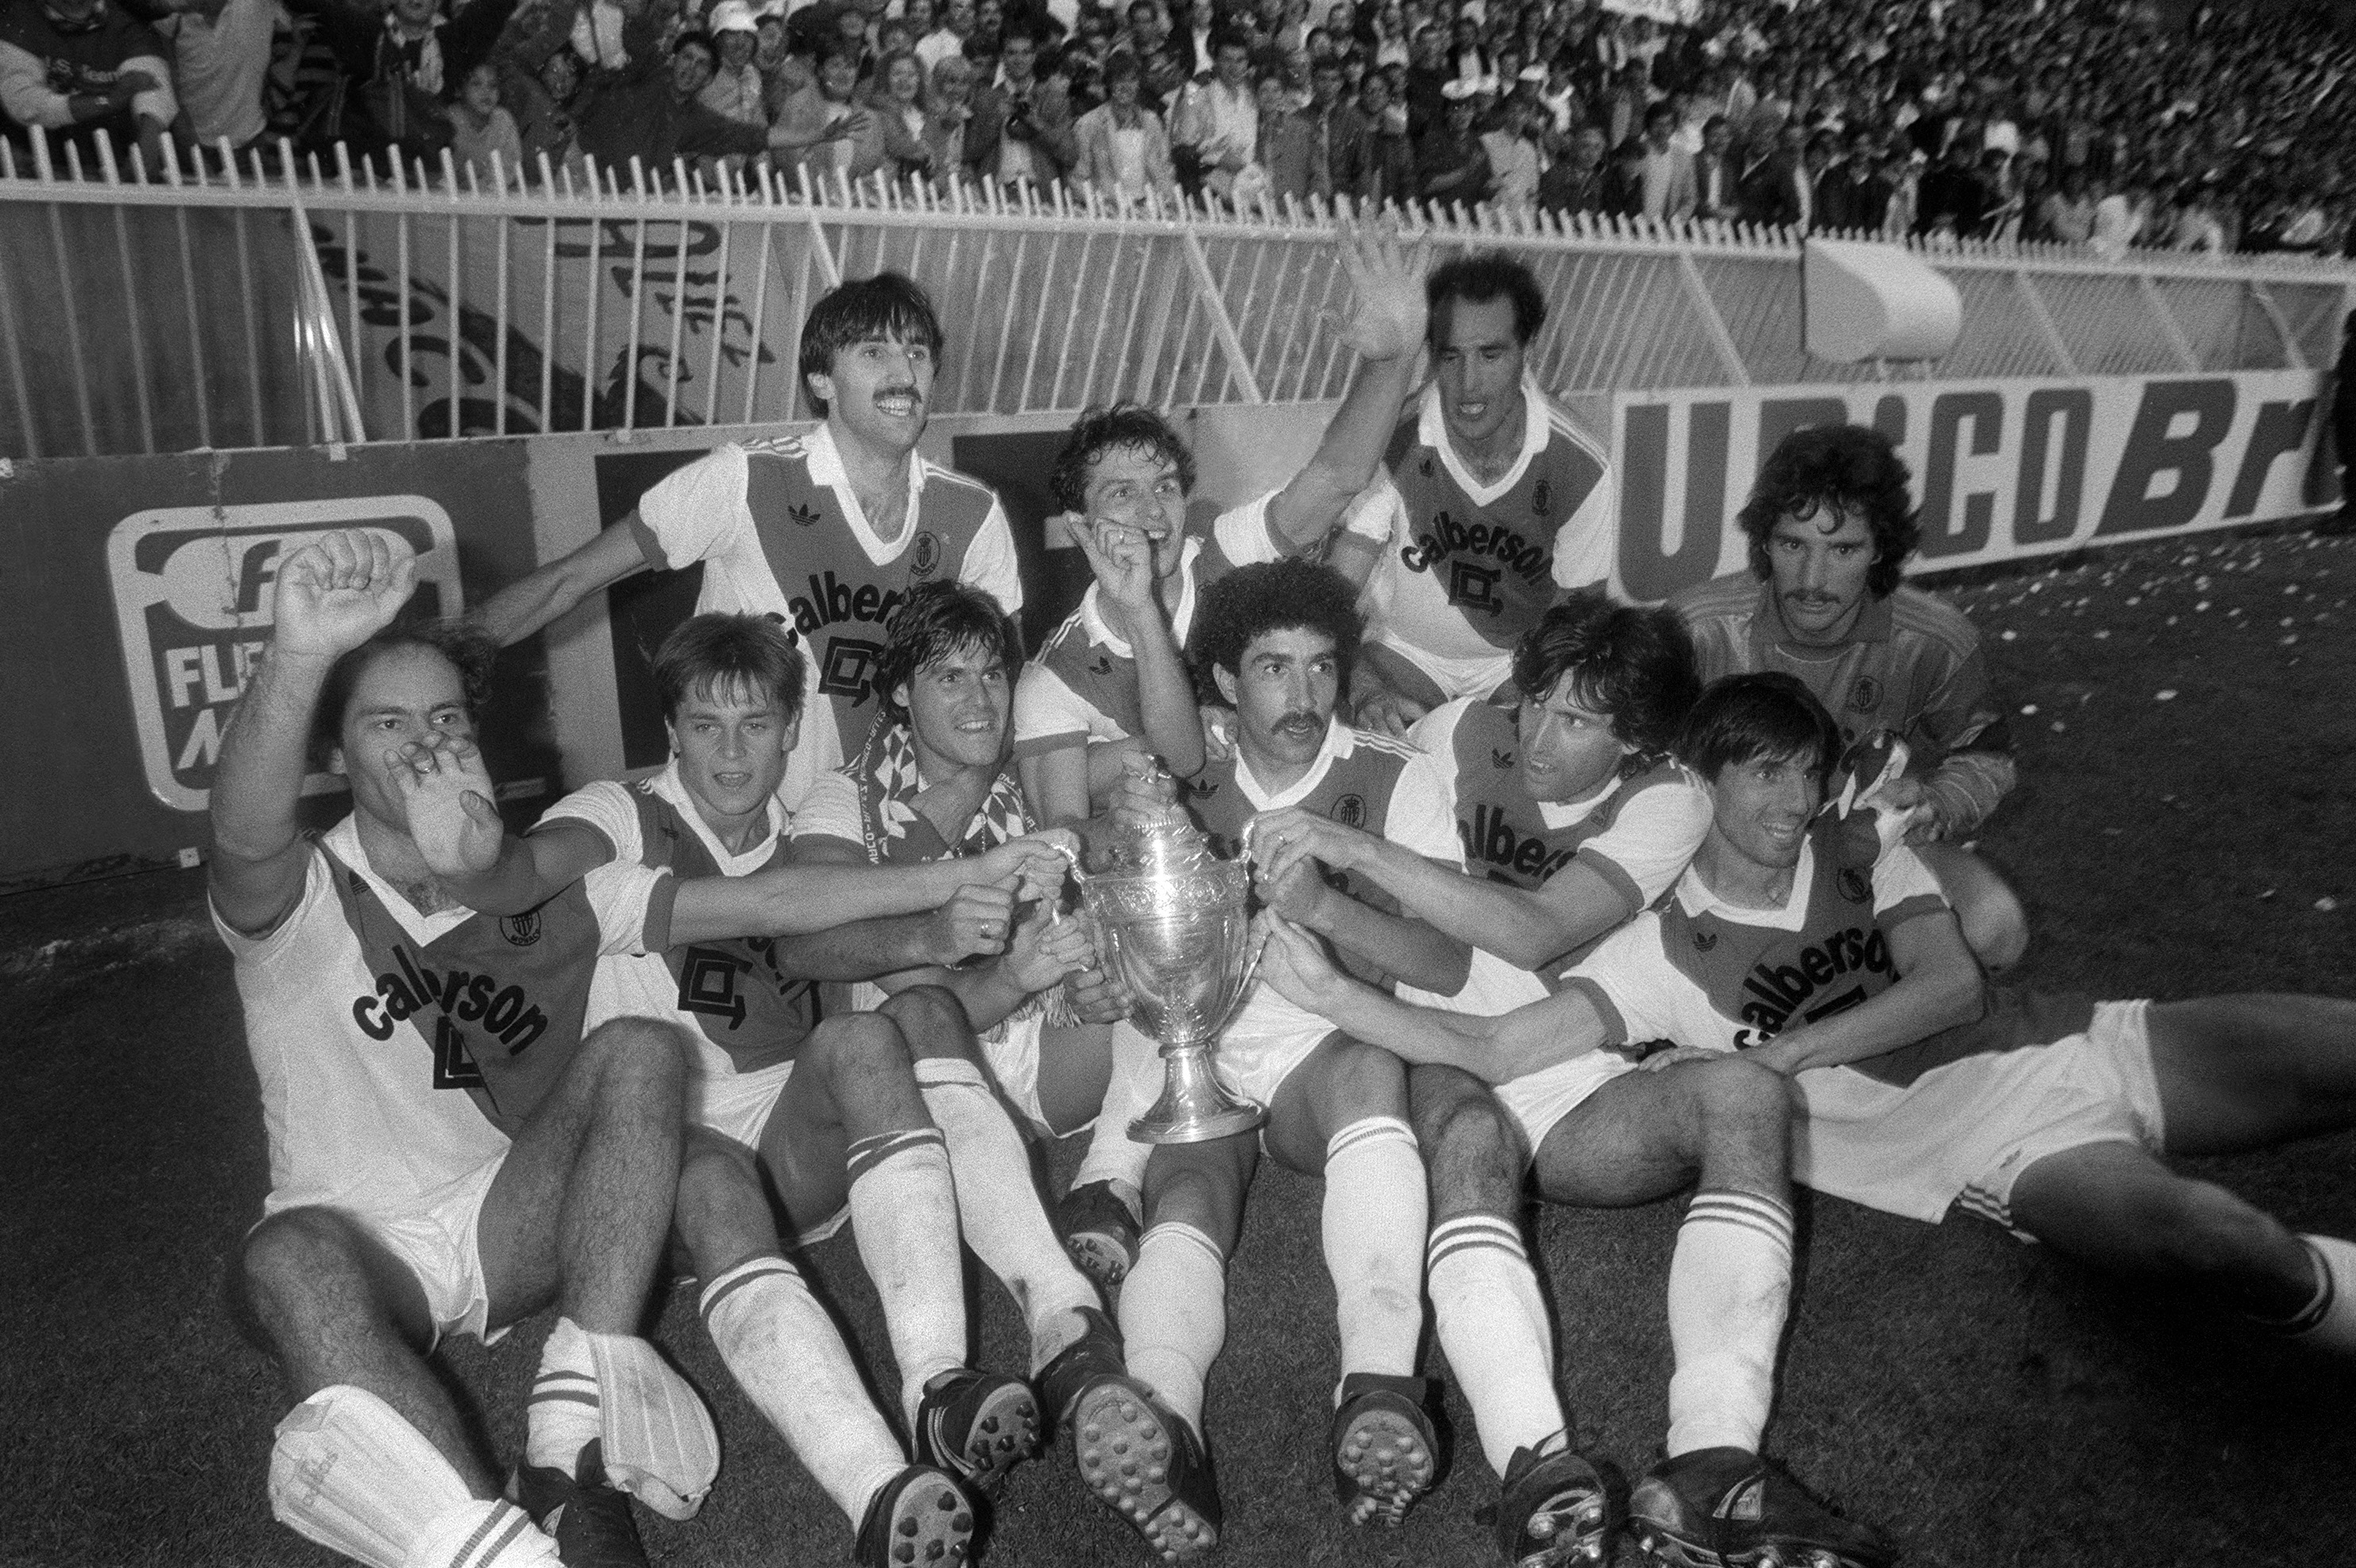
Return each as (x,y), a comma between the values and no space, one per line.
(257,306)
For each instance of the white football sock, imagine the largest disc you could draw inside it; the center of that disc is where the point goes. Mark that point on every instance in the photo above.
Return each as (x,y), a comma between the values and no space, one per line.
(349,1472)
(998,1205)
(1375,1212)
(564,1415)
(1492,1325)
(1173,1315)
(788,1357)
(1136,1083)
(1730,1288)
(659,1443)
(2329,1321)
(904,1216)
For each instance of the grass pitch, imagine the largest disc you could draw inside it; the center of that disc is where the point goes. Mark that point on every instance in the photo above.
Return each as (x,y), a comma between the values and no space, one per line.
(2186,725)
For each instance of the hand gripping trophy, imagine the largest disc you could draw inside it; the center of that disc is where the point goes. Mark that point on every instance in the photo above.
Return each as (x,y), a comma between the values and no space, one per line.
(1171,916)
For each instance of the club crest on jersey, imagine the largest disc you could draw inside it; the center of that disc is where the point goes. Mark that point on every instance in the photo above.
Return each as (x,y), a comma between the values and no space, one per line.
(1811,985)
(925,560)
(1542,499)
(520,930)
(1350,811)
(1855,885)
(1865,695)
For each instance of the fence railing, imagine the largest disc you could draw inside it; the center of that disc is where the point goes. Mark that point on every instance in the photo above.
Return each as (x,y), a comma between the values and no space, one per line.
(289,302)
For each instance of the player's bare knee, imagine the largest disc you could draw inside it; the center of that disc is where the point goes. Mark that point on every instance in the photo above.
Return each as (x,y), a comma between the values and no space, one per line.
(641,1060)
(1363,1081)
(1205,1192)
(932,1020)
(293,1262)
(858,1056)
(1472,1148)
(1734,1100)
(2204,1233)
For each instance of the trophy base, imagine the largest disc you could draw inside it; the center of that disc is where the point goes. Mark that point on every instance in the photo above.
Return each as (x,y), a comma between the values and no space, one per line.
(1195,1107)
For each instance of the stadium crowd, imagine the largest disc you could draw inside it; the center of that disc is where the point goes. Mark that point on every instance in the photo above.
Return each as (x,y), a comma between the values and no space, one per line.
(2078,122)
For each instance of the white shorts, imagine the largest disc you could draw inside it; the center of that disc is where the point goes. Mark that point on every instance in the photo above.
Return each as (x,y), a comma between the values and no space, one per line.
(436,1236)
(1965,1131)
(1455,677)
(1255,1065)
(1012,1051)
(1540,1100)
(738,1105)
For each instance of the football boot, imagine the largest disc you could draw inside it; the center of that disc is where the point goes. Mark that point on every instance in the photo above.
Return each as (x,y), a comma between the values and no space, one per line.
(1726,1508)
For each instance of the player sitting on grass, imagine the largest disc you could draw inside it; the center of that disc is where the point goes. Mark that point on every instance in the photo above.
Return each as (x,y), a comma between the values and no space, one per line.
(1830,525)
(1840,964)
(1111,681)
(1277,639)
(448,1151)
(833,1119)
(1573,817)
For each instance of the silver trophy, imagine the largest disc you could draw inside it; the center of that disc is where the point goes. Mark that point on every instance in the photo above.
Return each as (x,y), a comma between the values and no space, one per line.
(1171,919)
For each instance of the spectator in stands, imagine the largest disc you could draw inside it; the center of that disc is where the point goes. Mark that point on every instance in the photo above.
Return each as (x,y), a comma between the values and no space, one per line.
(650,112)
(403,61)
(948,110)
(82,70)
(221,55)
(1717,195)
(1281,156)
(1575,183)
(2068,210)
(1123,150)
(949,38)
(1427,72)
(1955,200)
(825,131)
(782,71)
(1451,165)
(1217,125)
(1386,162)
(737,91)
(2196,226)
(1022,128)
(1508,140)
(1668,176)
(2119,217)
(899,108)
(484,141)
(1337,133)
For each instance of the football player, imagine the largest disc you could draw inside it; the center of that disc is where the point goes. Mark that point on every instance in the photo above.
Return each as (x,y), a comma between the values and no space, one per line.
(827,531)
(1277,638)
(1830,525)
(1491,502)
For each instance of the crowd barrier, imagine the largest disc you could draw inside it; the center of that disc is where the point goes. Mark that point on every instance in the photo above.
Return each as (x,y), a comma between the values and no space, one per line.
(292,303)
(602,338)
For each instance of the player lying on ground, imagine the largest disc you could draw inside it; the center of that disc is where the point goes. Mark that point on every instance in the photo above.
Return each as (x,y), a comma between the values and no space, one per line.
(1492,501)
(825,1118)
(1818,952)
(1112,682)
(1277,638)
(1575,817)
(1830,524)
(828,530)
(448,1151)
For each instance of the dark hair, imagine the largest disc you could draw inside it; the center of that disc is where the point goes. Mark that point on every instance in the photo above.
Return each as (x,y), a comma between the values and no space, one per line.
(716,655)
(1124,67)
(1661,111)
(1229,38)
(1101,431)
(936,620)
(1742,717)
(699,38)
(888,305)
(1476,280)
(1844,467)
(1273,596)
(469,648)
(842,49)
(1635,664)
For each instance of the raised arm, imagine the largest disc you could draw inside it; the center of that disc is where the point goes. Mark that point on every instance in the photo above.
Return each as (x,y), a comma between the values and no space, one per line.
(532,601)
(1129,590)
(1496,1050)
(1384,328)
(332,595)
(1941,987)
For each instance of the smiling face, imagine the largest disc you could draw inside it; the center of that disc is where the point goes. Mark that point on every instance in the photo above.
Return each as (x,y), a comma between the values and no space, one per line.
(1567,749)
(1233,64)
(1759,810)
(1283,690)
(878,389)
(732,744)
(1138,487)
(1480,371)
(1820,566)
(691,69)
(905,79)
(405,694)
(959,707)
(837,75)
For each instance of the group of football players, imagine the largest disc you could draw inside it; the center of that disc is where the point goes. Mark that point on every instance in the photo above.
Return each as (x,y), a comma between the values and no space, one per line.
(1555,894)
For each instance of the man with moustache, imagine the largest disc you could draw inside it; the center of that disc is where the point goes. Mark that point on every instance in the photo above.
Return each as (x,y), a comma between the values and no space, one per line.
(827,531)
